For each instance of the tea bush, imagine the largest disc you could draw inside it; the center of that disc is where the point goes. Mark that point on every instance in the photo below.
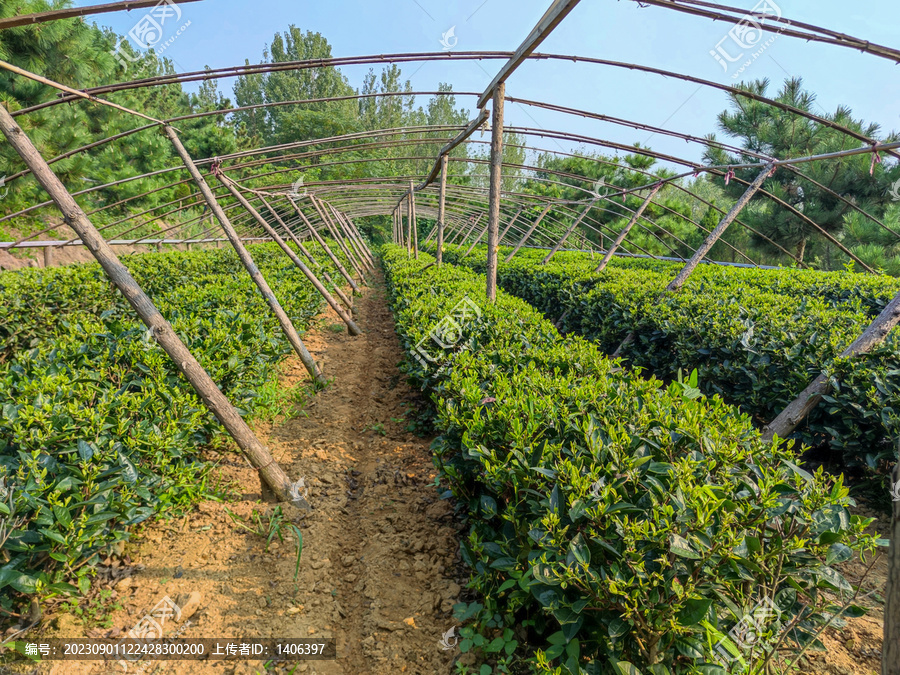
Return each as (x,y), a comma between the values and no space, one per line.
(756,337)
(627,526)
(98,429)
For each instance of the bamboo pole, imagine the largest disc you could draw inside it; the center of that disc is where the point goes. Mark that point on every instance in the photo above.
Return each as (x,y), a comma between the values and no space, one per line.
(627,228)
(286,326)
(336,234)
(351,326)
(441,214)
(309,256)
(719,230)
(800,407)
(321,242)
(529,232)
(493,226)
(257,454)
(569,231)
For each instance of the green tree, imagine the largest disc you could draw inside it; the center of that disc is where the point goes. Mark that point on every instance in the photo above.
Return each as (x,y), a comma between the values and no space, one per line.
(781,134)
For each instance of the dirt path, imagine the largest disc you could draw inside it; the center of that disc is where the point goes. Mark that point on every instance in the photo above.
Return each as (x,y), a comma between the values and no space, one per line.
(379,568)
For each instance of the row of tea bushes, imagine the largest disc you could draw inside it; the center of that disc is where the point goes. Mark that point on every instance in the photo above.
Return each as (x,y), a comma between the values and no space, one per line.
(757,337)
(98,429)
(627,526)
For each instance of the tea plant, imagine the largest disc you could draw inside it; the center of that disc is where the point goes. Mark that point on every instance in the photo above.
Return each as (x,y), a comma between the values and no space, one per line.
(627,526)
(755,337)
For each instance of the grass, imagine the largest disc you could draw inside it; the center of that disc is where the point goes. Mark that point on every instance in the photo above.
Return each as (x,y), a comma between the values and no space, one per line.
(96,612)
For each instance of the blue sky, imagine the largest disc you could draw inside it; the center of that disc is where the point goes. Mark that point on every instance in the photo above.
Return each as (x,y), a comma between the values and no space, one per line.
(226,32)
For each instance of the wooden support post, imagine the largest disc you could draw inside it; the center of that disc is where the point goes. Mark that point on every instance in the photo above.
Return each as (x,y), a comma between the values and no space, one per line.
(494,189)
(509,225)
(441,212)
(415,221)
(800,407)
(270,473)
(719,230)
(569,231)
(351,325)
(627,228)
(286,326)
(315,263)
(158,247)
(409,219)
(321,242)
(528,233)
(336,234)
(48,256)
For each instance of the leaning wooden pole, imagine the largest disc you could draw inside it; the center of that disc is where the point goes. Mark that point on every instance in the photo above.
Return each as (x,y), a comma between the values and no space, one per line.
(286,326)
(719,230)
(439,257)
(352,238)
(349,240)
(313,279)
(509,225)
(476,240)
(529,232)
(321,242)
(800,407)
(631,223)
(357,235)
(468,232)
(338,238)
(494,189)
(270,473)
(569,231)
(308,255)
